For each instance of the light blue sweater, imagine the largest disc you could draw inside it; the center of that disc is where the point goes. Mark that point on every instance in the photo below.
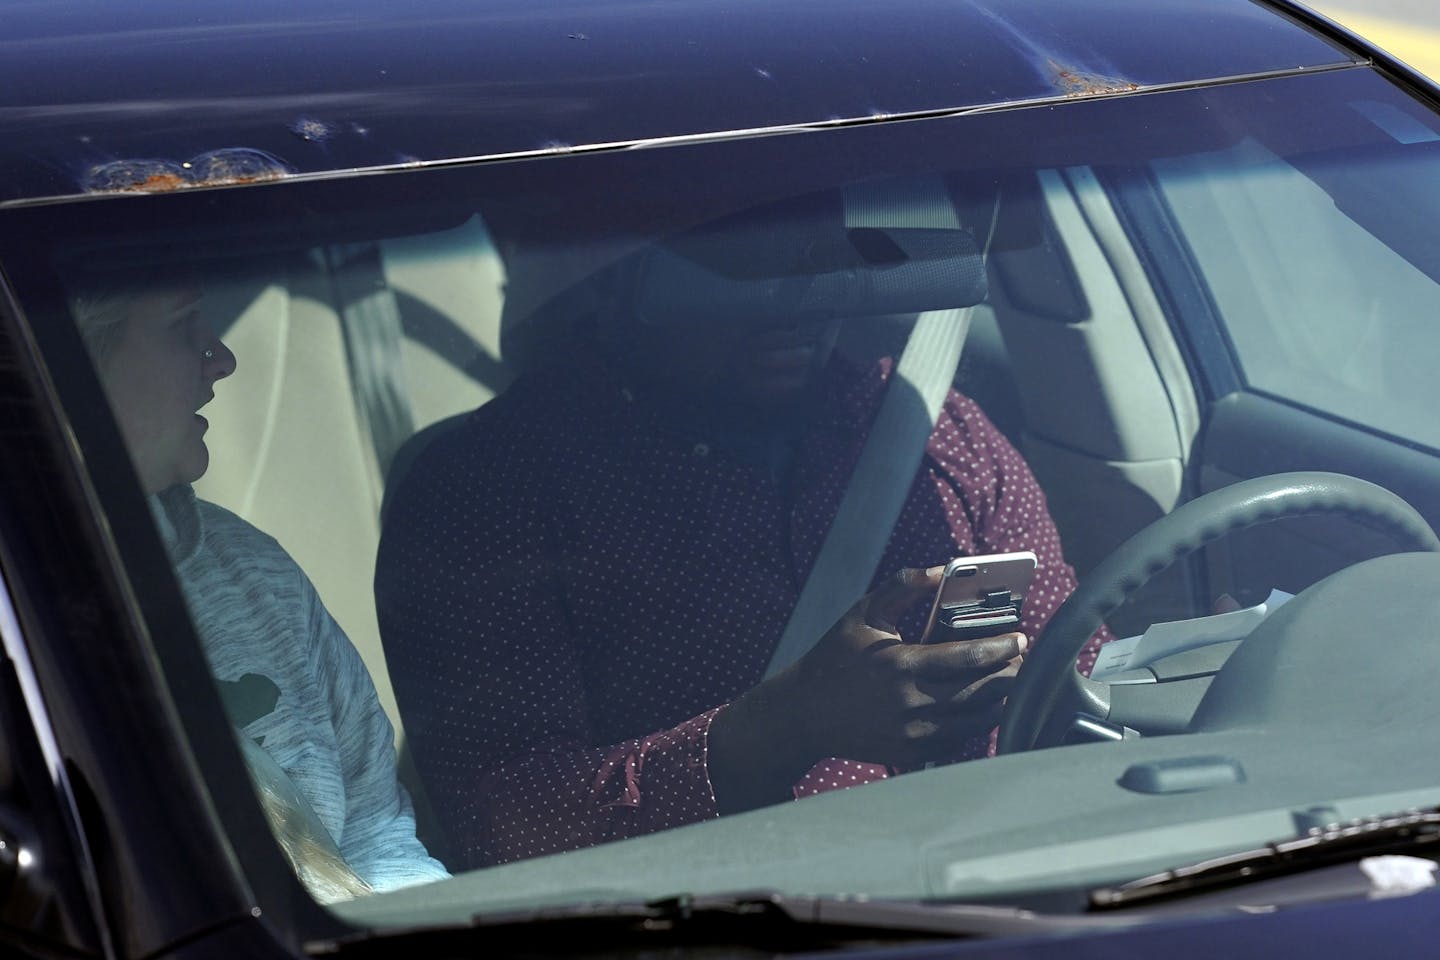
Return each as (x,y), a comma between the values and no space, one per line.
(295,684)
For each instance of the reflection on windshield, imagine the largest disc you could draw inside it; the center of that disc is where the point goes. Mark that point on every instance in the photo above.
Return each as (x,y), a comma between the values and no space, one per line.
(535,470)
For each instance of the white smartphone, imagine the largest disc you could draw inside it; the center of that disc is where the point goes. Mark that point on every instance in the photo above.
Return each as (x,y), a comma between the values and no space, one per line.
(979,597)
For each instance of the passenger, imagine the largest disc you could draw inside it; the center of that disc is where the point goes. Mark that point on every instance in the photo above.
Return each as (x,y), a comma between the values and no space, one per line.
(317,742)
(580,588)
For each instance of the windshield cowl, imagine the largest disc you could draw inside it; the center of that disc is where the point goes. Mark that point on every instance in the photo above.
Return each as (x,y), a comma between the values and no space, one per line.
(778,921)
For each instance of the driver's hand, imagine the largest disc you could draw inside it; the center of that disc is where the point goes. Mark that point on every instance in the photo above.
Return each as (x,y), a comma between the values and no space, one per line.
(1224,604)
(860,694)
(863,694)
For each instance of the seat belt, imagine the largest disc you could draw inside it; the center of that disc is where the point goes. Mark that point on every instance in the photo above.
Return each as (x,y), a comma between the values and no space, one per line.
(879,484)
(885,470)
(374,334)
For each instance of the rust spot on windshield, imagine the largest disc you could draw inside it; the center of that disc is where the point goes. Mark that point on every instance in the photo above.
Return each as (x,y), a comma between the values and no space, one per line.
(230,166)
(1079,83)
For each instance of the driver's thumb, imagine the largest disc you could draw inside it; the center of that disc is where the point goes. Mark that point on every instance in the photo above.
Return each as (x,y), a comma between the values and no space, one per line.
(898,593)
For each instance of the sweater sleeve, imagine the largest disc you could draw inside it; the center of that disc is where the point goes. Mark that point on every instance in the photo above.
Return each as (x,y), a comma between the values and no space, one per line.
(378,838)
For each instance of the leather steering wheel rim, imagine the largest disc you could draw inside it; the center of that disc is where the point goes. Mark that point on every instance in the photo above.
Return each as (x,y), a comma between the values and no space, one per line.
(1047,680)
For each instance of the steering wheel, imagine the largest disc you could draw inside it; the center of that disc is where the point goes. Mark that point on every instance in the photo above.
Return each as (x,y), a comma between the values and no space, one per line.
(1049,691)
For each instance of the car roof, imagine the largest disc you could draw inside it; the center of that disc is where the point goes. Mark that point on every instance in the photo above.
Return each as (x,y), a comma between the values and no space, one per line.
(96,96)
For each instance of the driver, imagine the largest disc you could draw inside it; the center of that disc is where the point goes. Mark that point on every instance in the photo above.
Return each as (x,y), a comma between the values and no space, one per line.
(580,588)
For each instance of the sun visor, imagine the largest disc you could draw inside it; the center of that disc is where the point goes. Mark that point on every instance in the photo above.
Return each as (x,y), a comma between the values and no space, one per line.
(867,271)
(806,260)
(873,249)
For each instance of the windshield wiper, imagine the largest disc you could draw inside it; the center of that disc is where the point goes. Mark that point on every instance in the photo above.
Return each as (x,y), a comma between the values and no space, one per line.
(761,921)
(1415,832)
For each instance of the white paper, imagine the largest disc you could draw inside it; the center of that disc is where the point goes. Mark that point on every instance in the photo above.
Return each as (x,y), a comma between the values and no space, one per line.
(1176,636)
(1395,876)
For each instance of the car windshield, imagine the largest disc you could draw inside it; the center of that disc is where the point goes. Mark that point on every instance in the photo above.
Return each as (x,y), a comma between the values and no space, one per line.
(565,527)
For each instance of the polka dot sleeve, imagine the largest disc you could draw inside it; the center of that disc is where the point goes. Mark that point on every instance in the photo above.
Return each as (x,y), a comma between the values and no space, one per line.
(1006,509)
(490,678)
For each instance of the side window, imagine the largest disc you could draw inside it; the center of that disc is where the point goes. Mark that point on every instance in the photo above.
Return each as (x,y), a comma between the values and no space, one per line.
(1319,312)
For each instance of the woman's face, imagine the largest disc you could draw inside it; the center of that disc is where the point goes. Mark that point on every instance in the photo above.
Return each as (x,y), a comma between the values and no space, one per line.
(157,376)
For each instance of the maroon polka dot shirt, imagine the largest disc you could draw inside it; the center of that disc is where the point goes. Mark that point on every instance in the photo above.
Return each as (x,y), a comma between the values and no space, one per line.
(569,589)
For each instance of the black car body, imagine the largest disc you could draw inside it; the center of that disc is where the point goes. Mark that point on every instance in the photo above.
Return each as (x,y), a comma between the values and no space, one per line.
(167,132)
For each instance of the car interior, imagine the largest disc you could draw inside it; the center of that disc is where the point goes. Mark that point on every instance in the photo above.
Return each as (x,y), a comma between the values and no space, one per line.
(330,406)
(1072,355)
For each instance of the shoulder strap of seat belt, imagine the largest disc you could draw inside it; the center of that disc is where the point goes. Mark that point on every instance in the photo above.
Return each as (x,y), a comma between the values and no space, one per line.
(374,334)
(880,483)
(886,468)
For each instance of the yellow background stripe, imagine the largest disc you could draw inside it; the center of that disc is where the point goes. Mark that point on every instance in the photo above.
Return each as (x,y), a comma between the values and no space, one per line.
(1416,45)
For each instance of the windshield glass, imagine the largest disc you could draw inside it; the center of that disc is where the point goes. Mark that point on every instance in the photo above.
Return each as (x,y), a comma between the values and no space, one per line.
(580,528)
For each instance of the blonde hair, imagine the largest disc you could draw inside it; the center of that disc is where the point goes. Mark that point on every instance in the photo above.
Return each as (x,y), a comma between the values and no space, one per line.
(100,315)
(103,299)
(302,838)
(317,863)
